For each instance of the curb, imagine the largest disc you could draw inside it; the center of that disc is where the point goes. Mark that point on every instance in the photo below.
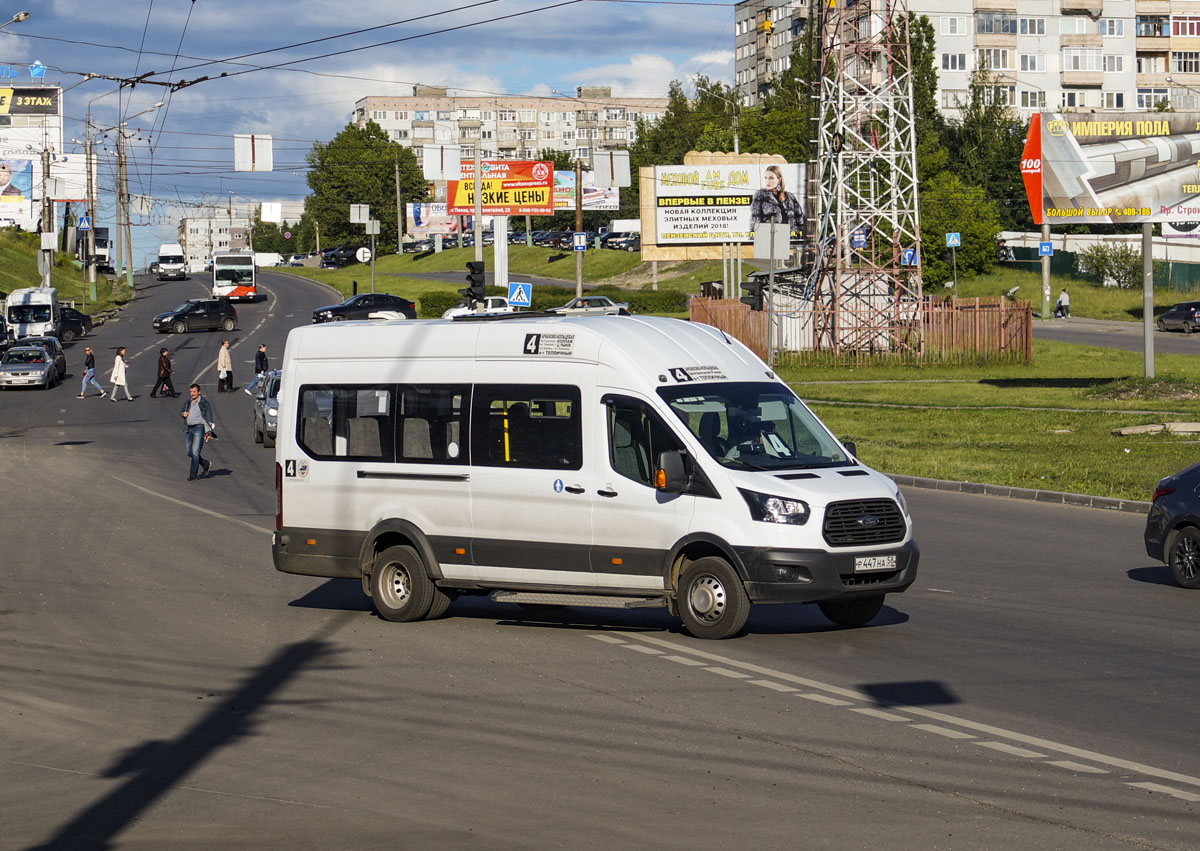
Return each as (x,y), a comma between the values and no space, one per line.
(1079,499)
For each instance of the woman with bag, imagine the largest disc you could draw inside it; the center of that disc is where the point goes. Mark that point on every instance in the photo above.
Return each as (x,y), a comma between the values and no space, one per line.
(224,368)
(118,375)
(164,376)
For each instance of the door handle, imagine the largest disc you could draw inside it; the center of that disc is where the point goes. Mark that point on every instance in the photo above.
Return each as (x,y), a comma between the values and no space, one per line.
(573,489)
(607,493)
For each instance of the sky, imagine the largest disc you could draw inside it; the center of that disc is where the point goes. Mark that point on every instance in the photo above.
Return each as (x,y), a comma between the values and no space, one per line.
(182,155)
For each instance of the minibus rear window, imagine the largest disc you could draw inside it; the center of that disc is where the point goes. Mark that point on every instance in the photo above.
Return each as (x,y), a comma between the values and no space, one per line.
(350,422)
(537,426)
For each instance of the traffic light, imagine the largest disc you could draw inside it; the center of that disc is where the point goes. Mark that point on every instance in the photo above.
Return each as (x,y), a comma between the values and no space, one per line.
(754,289)
(474,289)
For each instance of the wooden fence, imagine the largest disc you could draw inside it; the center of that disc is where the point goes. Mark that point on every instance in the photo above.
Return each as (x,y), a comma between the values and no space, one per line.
(952,330)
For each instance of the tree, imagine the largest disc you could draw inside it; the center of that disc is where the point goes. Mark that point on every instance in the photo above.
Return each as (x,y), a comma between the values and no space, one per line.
(1116,264)
(948,205)
(358,166)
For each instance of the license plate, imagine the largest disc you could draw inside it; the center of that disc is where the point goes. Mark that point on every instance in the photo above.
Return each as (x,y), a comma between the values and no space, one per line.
(865,564)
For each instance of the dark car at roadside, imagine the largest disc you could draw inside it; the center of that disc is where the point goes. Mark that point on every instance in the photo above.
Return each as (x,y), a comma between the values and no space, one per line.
(73,323)
(198,314)
(1173,525)
(1184,317)
(361,306)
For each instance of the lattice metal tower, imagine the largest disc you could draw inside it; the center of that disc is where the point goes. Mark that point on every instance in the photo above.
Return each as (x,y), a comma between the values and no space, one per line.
(866,283)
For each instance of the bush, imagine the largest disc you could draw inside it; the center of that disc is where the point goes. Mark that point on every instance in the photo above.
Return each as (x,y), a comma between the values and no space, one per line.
(433,305)
(1116,264)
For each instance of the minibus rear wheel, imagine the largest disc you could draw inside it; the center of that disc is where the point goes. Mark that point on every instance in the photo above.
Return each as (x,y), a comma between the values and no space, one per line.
(712,600)
(400,588)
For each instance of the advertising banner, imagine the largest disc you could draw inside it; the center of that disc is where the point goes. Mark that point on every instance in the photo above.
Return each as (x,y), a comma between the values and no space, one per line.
(1127,167)
(510,188)
(427,220)
(36,100)
(594,198)
(723,203)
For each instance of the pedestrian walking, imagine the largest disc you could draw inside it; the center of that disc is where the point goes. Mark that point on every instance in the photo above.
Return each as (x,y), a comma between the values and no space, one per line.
(224,368)
(261,366)
(118,379)
(164,382)
(198,428)
(89,373)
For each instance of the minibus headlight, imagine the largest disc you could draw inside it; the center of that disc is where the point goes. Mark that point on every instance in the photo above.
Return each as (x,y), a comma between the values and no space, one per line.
(272,412)
(903,504)
(776,509)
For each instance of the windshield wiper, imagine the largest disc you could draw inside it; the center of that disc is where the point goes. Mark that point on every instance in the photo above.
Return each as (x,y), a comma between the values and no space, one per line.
(743,464)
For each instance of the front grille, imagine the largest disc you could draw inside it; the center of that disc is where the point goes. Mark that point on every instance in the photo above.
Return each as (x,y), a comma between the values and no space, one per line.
(843,527)
(869,579)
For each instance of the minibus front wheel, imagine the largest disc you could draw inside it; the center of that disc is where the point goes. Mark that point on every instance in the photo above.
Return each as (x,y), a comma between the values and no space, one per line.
(712,601)
(400,588)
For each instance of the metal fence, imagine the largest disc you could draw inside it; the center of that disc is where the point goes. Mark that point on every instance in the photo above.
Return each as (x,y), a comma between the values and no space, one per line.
(952,330)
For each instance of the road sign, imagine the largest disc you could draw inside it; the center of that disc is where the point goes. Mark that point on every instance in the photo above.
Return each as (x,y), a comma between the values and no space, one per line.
(360,214)
(580,241)
(520,294)
(953,240)
(363,255)
(908,257)
(85,223)
(858,238)
(1045,249)
(287,234)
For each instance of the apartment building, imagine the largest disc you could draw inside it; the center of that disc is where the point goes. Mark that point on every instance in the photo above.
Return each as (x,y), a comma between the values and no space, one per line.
(511,127)
(1087,55)
(201,236)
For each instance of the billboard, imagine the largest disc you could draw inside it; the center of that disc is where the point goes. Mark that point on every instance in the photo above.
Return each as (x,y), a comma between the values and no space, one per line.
(427,220)
(594,197)
(16,192)
(36,100)
(1113,167)
(723,202)
(510,188)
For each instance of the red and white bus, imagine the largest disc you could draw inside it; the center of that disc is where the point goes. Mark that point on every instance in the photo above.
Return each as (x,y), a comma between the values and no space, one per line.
(234,276)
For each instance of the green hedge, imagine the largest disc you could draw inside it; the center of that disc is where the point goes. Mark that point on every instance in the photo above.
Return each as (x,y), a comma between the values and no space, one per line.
(433,305)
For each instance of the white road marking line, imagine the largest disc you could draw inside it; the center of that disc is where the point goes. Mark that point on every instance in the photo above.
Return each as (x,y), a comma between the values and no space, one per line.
(64,422)
(1167,790)
(1070,765)
(608,639)
(725,672)
(879,713)
(684,660)
(1010,749)
(939,590)
(202,510)
(943,731)
(933,715)
(821,698)
(771,685)
(649,651)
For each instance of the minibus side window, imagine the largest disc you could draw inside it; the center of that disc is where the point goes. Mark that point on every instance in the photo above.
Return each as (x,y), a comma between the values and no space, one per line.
(432,423)
(636,436)
(537,426)
(347,422)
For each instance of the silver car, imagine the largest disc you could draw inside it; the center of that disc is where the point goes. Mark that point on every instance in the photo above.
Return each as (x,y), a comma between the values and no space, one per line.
(266,407)
(591,305)
(27,366)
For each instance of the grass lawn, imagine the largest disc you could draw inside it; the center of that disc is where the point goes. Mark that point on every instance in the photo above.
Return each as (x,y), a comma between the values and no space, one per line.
(19,268)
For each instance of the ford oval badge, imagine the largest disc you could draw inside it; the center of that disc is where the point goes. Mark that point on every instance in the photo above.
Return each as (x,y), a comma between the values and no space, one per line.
(868,520)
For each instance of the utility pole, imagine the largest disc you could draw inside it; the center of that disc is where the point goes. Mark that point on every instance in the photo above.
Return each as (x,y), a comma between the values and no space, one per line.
(91,209)
(47,218)
(399,211)
(578,225)
(478,183)
(317,234)
(123,202)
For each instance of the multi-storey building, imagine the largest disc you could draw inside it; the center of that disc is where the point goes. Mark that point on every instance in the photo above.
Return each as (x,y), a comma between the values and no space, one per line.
(200,237)
(1089,55)
(510,127)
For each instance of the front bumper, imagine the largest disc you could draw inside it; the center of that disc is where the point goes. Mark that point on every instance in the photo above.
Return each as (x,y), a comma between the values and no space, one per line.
(22,380)
(810,576)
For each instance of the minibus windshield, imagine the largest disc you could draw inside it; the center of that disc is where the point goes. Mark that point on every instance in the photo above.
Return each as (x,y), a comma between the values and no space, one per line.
(754,426)
(28,313)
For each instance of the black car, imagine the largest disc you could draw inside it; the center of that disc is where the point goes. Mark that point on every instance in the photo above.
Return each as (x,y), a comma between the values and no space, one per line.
(1184,316)
(361,306)
(1173,525)
(74,324)
(206,314)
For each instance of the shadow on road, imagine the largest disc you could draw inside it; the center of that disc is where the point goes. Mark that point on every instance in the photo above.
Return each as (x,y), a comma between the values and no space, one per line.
(154,767)
(1064,383)
(345,594)
(1158,575)
(915,693)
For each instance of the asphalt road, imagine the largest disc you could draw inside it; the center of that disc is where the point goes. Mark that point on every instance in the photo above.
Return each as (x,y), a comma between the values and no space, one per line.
(1114,335)
(161,685)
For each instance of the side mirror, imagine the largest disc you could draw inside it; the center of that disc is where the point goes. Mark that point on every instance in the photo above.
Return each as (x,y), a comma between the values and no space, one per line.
(670,476)
(851,447)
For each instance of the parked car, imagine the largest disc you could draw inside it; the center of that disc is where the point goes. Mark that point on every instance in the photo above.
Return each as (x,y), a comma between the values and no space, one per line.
(1173,525)
(591,305)
(493,304)
(627,242)
(606,240)
(266,407)
(53,348)
(1184,316)
(74,324)
(361,306)
(418,246)
(198,314)
(27,366)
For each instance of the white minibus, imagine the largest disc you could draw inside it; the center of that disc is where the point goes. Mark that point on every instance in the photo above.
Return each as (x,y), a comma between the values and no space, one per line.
(234,275)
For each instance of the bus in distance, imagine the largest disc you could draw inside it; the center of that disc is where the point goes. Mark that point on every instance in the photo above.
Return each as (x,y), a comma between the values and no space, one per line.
(234,275)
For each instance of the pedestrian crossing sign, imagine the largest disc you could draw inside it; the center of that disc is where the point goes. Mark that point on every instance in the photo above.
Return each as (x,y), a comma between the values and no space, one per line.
(953,240)
(85,223)
(520,294)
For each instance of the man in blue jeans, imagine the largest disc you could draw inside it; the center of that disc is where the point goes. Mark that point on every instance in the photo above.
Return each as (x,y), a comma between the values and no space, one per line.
(198,419)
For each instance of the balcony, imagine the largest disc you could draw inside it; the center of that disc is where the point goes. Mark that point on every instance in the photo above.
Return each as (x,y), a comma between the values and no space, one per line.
(1152,44)
(1082,7)
(995,40)
(1152,7)
(1081,40)
(995,5)
(1156,81)
(1082,79)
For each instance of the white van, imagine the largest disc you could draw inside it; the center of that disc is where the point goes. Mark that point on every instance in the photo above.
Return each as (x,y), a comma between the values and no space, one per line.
(573,461)
(33,312)
(172,265)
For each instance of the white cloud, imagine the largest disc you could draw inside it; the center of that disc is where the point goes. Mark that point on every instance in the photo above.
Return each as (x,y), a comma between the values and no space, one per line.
(644,75)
